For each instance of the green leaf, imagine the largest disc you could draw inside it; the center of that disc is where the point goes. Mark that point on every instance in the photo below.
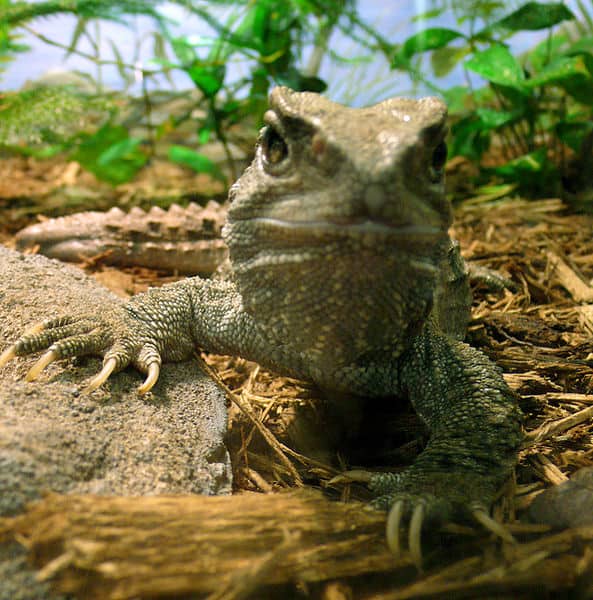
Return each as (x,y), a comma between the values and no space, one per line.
(299,82)
(584,48)
(541,54)
(160,53)
(249,32)
(312,84)
(457,98)
(121,65)
(573,133)
(490,192)
(444,60)
(429,39)
(204,134)
(559,70)
(584,44)
(261,14)
(208,79)
(76,34)
(469,138)
(532,163)
(534,16)
(533,173)
(121,150)
(497,65)
(184,51)
(111,154)
(429,14)
(196,161)
(493,119)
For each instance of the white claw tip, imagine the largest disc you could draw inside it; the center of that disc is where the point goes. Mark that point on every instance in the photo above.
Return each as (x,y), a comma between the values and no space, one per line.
(153,374)
(100,378)
(415,535)
(7,356)
(36,369)
(392,527)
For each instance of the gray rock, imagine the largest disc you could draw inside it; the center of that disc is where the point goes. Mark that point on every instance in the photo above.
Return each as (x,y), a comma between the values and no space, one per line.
(111,442)
(569,504)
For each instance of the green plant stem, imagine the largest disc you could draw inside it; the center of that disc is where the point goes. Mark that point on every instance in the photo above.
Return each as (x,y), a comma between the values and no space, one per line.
(149,123)
(97,49)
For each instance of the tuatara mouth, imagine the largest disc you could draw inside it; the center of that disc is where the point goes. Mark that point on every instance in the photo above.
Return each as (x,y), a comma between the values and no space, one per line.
(353,225)
(366,231)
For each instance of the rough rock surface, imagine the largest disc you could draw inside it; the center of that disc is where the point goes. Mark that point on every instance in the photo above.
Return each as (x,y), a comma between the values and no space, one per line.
(568,504)
(111,442)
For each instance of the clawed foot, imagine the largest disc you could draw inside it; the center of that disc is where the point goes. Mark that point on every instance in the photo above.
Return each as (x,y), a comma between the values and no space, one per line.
(410,513)
(65,337)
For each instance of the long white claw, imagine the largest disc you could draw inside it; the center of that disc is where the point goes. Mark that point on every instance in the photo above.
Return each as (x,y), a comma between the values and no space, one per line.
(36,369)
(7,356)
(355,475)
(415,535)
(153,374)
(102,376)
(482,517)
(392,527)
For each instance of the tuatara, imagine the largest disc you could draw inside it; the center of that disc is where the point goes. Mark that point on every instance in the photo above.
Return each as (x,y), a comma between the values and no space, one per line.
(343,274)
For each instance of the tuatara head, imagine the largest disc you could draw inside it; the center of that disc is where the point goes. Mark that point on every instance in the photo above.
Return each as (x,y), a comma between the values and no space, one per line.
(337,228)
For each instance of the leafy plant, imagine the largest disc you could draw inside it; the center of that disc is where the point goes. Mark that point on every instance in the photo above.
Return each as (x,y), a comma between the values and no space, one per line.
(267,37)
(535,112)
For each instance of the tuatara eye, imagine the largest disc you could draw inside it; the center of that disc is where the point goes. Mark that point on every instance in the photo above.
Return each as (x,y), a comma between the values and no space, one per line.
(274,148)
(439,157)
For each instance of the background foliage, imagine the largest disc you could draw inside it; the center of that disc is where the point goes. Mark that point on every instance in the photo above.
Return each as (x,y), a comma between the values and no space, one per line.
(526,119)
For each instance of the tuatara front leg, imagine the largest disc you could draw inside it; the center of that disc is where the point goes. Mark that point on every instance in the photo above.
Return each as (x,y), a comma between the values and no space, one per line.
(475,432)
(163,324)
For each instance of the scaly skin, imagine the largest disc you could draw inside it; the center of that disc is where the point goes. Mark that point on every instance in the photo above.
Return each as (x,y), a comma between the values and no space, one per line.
(186,240)
(338,243)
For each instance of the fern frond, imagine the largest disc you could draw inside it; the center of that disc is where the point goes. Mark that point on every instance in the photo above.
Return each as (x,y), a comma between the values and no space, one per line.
(15,13)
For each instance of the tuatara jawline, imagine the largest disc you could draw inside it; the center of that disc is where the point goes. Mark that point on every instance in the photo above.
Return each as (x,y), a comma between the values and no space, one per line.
(342,273)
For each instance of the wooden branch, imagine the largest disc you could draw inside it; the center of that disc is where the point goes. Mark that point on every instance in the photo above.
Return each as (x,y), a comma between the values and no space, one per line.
(553,428)
(121,547)
(576,287)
